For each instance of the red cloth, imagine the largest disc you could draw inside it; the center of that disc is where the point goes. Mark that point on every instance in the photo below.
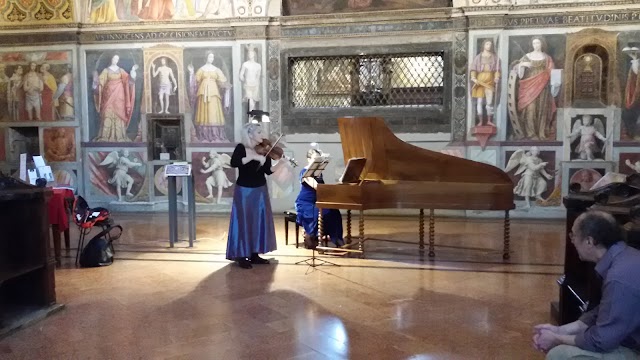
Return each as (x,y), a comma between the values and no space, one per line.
(57,212)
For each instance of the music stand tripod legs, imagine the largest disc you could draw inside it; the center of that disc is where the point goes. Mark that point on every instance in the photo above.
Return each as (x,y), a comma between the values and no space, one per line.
(313,261)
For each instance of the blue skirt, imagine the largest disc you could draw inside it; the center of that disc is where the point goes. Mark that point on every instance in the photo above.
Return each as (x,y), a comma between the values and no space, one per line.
(251,229)
(331,221)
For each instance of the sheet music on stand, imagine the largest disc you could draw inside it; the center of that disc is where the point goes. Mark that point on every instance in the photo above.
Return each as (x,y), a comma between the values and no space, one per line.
(316,168)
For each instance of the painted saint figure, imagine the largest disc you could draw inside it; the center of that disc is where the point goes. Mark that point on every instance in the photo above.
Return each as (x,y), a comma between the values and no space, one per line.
(632,92)
(485,76)
(215,166)
(206,101)
(60,147)
(103,11)
(168,84)
(250,76)
(49,89)
(532,112)
(15,96)
(64,95)
(32,85)
(531,168)
(114,93)
(120,177)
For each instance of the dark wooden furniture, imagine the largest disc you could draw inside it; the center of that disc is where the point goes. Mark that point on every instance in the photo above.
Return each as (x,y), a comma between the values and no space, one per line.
(27,267)
(400,175)
(291,216)
(580,286)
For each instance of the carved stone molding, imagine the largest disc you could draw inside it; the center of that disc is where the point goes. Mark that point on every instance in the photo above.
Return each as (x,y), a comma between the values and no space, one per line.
(459,88)
(273,85)
(251,32)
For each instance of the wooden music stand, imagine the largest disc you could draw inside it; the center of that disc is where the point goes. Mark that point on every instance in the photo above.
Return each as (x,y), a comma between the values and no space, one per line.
(316,168)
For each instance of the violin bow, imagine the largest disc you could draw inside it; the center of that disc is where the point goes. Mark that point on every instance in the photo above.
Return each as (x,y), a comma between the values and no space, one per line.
(268,152)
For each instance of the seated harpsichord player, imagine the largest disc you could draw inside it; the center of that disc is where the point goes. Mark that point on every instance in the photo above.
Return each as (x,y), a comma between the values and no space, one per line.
(308,212)
(611,330)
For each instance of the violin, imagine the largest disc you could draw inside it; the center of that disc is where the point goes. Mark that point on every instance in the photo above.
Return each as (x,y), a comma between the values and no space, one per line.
(270,149)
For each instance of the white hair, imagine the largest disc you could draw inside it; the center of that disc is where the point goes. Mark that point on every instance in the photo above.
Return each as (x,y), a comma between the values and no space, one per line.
(247,130)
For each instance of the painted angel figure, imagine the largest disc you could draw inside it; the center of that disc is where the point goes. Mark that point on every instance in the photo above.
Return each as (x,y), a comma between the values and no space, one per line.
(215,166)
(120,175)
(588,130)
(533,174)
(635,166)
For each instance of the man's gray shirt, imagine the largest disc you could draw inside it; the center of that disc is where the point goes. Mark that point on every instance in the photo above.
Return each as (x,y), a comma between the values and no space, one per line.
(616,320)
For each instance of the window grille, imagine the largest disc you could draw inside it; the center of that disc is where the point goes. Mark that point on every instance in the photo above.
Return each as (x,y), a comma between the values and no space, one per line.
(396,80)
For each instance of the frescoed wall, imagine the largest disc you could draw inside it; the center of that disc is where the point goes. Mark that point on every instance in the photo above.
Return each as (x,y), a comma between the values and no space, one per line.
(103,11)
(87,96)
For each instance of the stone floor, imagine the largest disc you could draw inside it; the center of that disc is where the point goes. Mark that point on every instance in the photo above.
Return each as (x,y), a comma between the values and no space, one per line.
(181,303)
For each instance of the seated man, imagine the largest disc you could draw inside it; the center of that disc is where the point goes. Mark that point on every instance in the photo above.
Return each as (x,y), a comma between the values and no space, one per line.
(611,330)
(308,213)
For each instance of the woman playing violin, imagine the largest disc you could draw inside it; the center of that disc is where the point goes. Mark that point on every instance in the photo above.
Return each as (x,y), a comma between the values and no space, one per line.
(251,229)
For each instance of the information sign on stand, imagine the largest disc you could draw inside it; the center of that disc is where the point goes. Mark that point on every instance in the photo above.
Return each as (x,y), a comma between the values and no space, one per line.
(173,171)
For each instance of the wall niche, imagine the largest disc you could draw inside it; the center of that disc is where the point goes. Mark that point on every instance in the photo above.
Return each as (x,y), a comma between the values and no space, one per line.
(590,64)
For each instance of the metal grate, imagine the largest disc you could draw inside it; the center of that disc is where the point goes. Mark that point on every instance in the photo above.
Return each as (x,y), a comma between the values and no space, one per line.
(398,80)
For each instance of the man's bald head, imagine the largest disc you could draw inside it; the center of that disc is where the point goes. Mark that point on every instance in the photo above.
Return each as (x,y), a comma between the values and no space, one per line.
(600,226)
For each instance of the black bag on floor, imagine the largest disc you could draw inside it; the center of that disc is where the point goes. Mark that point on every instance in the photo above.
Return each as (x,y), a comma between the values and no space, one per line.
(99,251)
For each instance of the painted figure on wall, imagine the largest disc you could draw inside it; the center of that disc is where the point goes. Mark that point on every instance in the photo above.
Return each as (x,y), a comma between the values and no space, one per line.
(156,9)
(628,162)
(209,91)
(32,85)
(250,73)
(108,11)
(589,132)
(167,84)
(15,97)
(4,87)
(635,166)
(103,11)
(215,166)
(485,76)
(59,144)
(532,105)
(114,96)
(533,180)
(121,178)
(49,89)
(632,92)
(29,84)
(64,95)
(214,9)
(587,178)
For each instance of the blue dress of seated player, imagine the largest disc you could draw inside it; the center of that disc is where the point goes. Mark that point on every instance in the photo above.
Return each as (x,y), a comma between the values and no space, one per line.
(308,213)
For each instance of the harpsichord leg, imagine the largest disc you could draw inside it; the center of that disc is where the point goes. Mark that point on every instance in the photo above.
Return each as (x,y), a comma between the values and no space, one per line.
(361,233)
(421,232)
(507,236)
(348,227)
(432,233)
(321,229)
